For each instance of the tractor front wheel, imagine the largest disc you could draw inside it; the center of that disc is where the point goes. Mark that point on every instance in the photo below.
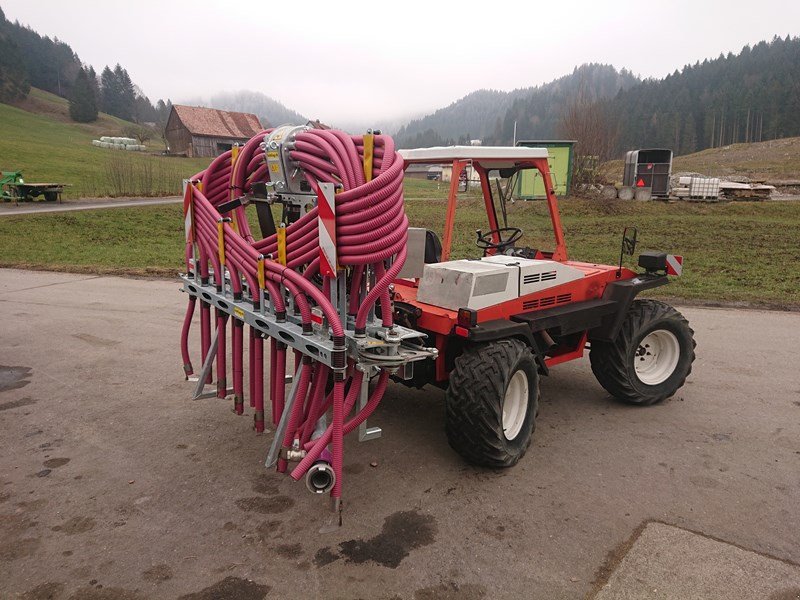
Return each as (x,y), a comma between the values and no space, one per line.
(492,401)
(651,357)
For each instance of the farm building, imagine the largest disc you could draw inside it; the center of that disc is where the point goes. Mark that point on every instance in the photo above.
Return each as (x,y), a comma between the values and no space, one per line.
(199,131)
(530,186)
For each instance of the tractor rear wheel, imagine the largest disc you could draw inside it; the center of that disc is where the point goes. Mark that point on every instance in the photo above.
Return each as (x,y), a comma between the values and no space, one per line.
(492,401)
(651,357)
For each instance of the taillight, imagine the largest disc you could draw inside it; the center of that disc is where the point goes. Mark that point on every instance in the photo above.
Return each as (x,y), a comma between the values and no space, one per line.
(467,318)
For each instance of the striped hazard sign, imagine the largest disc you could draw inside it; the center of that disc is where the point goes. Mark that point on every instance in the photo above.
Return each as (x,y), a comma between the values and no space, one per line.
(326,203)
(674,264)
(188,226)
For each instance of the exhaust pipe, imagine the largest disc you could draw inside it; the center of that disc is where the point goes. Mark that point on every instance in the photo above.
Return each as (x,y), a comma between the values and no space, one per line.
(320,478)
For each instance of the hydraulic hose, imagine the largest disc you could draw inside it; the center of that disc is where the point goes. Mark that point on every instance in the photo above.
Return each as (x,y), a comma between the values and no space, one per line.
(370,240)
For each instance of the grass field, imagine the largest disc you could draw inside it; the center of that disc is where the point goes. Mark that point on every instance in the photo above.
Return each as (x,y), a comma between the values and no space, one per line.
(40,139)
(737,252)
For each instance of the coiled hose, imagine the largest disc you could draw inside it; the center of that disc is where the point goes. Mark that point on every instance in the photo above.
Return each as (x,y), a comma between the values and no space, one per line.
(371,235)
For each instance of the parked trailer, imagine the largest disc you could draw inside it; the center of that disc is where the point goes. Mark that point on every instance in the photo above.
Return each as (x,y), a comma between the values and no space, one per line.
(14,188)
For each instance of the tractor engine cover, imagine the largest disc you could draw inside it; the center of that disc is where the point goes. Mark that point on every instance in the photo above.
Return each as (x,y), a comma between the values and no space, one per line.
(491,280)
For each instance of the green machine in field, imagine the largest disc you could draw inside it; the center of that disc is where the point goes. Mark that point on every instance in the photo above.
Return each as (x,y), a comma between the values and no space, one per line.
(530,186)
(13,188)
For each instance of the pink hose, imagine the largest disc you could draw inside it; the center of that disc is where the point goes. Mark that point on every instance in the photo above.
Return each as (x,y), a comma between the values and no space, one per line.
(371,237)
(187,323)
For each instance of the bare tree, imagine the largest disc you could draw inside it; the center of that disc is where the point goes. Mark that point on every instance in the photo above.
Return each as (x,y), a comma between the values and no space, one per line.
(140,132)
(588,123)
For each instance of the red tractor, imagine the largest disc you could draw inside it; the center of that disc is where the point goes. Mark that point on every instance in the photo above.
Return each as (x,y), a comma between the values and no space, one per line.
(346,296)
(501,321)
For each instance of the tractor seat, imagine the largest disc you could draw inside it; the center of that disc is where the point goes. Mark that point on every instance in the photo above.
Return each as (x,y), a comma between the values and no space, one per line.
(433,247)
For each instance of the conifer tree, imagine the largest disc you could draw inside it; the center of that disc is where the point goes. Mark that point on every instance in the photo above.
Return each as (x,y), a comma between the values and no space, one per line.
(82,103)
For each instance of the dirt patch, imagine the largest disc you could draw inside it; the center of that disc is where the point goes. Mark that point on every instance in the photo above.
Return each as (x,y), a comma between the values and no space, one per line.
(267,529)
(75,525)
(451,591)
(402,532)
(13,378)
(325,556)
(11,550)
(234,588)
(491,527)
(94,340)
(265,485)
(104,593)
(54,463)
(265,506)
(44,591)
(17,403)
(787,594)
(290,551)
(31,505)
(354,469)
(157,573)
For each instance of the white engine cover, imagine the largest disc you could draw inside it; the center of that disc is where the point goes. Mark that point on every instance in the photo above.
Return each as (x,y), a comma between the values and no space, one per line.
(538,275)
(491,280)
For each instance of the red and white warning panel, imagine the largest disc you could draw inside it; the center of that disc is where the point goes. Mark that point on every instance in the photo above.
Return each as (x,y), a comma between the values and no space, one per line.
(326,202)
(188,226)
(674,264)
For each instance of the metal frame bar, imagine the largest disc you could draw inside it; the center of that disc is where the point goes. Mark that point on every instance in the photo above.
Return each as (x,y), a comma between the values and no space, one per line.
(385,352)
(274,449)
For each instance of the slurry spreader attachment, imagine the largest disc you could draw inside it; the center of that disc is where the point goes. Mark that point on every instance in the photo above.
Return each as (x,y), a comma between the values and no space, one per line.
(318,284)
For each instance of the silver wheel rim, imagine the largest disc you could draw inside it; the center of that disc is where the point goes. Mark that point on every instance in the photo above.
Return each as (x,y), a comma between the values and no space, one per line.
(657,357)
(515,404)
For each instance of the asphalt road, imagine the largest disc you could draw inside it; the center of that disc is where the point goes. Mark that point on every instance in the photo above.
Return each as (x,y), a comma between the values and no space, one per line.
(114,485)
(8,209)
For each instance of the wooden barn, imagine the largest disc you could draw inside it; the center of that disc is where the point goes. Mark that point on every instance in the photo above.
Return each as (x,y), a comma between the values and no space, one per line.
(198,131)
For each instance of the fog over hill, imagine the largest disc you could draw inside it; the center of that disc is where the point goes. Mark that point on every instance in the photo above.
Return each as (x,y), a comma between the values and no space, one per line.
(269,111)
(489,115)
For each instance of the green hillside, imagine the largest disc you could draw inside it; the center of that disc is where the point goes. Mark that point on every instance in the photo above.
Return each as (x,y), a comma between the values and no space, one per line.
(38,137)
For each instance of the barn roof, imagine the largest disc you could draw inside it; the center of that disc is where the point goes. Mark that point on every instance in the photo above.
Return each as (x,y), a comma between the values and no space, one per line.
(217,123)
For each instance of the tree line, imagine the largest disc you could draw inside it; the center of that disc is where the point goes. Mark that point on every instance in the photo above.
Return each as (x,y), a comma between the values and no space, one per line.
(746,97)
(29,59)
(531,113)
(750,96)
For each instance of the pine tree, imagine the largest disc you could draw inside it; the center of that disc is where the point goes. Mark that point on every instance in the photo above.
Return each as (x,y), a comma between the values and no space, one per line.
(82,103)
(127,95)
(109,92)
(93,81)
(14,84)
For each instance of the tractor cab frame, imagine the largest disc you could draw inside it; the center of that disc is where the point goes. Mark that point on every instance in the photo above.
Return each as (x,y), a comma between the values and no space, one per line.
(484,160)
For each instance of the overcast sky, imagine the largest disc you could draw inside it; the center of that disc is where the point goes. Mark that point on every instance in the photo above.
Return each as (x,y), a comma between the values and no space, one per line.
(348,62)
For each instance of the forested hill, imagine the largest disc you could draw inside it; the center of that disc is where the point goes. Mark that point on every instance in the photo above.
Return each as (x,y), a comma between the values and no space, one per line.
(489,115)
(269,111)
(538,113)
(28,58)
(750,96)
(473,116)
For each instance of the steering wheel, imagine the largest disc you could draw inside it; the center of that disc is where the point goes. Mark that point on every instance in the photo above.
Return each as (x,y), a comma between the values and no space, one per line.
(485,241)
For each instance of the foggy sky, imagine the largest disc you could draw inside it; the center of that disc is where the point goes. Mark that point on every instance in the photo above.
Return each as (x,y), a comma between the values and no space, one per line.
(354,63)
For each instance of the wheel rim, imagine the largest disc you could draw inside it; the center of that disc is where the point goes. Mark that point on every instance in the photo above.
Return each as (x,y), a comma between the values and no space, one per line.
(515,404)
(656,357)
